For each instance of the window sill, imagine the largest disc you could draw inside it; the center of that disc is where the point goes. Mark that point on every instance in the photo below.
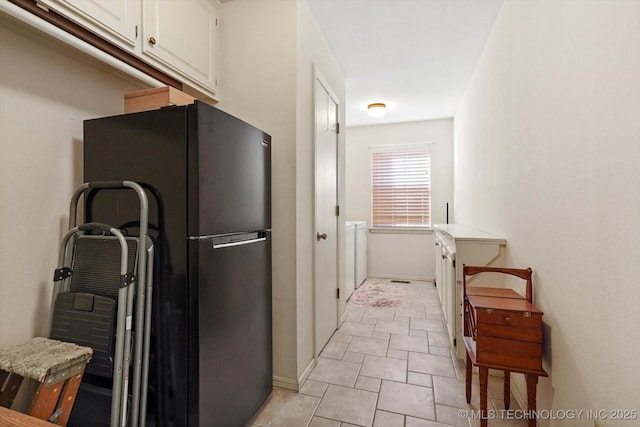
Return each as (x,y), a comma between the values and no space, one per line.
(401,230)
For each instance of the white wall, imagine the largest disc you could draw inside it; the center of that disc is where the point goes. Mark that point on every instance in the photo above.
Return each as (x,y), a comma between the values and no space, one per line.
(257,84)
(312,50)
(267,54)
(405,256)
(547,147)
(47,89)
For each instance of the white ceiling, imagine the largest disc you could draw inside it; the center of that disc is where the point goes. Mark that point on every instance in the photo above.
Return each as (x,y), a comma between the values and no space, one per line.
(416,56)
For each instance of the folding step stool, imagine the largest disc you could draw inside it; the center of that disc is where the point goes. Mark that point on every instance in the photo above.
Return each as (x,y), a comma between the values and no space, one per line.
(58,367)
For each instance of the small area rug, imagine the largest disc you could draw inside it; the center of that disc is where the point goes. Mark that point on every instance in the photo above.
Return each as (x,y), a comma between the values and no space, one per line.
(375,294)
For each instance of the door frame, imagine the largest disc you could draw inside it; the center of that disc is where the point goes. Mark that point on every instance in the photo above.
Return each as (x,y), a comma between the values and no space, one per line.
(318,78)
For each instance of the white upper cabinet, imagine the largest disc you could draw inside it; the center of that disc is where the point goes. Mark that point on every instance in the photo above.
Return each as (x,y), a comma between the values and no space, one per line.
(182,35)
(178,37)
(114,20)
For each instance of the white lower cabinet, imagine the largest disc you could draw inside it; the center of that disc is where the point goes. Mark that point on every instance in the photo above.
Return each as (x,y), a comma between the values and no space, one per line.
(449,288)
(459,245)
(355,255)
(437,278)
(361,252)
(350,259)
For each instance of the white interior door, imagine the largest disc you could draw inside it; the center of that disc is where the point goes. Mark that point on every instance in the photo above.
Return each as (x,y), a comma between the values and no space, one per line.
(326,219)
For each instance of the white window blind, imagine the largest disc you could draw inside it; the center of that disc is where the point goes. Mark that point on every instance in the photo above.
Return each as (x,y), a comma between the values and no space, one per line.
(401,187)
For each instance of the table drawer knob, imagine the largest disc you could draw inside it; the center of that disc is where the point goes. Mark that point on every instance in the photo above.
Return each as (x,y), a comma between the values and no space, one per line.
(507,320)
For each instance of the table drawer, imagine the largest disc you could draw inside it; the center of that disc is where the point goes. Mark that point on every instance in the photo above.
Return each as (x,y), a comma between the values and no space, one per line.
(509,353)
(507,324)
(509,332)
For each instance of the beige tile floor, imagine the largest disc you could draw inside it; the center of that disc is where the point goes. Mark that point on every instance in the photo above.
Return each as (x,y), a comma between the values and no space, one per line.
(387,367)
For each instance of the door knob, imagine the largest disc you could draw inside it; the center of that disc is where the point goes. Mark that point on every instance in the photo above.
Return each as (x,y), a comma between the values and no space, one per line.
(322,236)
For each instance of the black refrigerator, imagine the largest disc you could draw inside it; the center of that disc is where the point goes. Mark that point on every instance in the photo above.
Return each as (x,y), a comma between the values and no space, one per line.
(207,175)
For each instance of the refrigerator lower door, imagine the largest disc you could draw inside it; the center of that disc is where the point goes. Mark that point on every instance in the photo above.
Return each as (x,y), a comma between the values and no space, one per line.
(230,350)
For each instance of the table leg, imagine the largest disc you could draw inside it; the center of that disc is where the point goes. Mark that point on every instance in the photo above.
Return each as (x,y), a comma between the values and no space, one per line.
(532,383)
(9,388)
(507,389)
(68,397)
(45,400)
(484,376)
(3,377)
(468,371)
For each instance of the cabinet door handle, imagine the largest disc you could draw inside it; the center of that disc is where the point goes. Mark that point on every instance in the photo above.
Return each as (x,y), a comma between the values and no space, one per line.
(444,256)
(153,41)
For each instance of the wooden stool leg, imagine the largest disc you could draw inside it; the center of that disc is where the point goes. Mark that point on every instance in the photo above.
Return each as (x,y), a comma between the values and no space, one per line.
(484,377)
(3,377)
(45,400)
(507,389)
(9,386)
(532,384)
(468,378)
(68,398)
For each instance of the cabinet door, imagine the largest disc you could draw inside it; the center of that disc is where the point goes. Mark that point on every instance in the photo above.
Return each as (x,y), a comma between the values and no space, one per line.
(437,277)
(449,306)
(182,35)
(114,20)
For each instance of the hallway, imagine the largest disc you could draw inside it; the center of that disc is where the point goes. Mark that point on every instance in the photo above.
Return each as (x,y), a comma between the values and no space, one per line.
(388,367)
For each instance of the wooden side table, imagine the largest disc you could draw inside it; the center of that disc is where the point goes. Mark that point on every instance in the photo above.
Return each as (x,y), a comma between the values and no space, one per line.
(58,367)
(10,418)
(505,334)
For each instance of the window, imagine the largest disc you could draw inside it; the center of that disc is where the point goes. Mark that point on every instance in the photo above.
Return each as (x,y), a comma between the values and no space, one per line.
(401,187)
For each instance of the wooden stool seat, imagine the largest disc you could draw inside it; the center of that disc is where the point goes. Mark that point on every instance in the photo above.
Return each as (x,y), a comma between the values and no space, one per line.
(58,367)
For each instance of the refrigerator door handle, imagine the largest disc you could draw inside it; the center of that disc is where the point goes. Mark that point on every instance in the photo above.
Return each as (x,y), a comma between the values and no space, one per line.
(241,242)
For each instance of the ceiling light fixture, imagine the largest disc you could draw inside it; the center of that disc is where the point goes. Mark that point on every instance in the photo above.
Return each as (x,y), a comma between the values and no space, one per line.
(376,109)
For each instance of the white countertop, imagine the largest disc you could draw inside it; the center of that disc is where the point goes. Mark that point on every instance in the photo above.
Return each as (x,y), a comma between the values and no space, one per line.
(459,232)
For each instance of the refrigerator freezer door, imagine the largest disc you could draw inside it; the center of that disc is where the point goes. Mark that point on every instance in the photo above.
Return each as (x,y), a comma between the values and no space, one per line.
(229,174)
(230,367)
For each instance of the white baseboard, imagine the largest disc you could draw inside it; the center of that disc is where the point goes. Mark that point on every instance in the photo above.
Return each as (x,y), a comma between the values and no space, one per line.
(307,371)
(396,277)
(291,384)
(342,318)
(285,384)
(519,397)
